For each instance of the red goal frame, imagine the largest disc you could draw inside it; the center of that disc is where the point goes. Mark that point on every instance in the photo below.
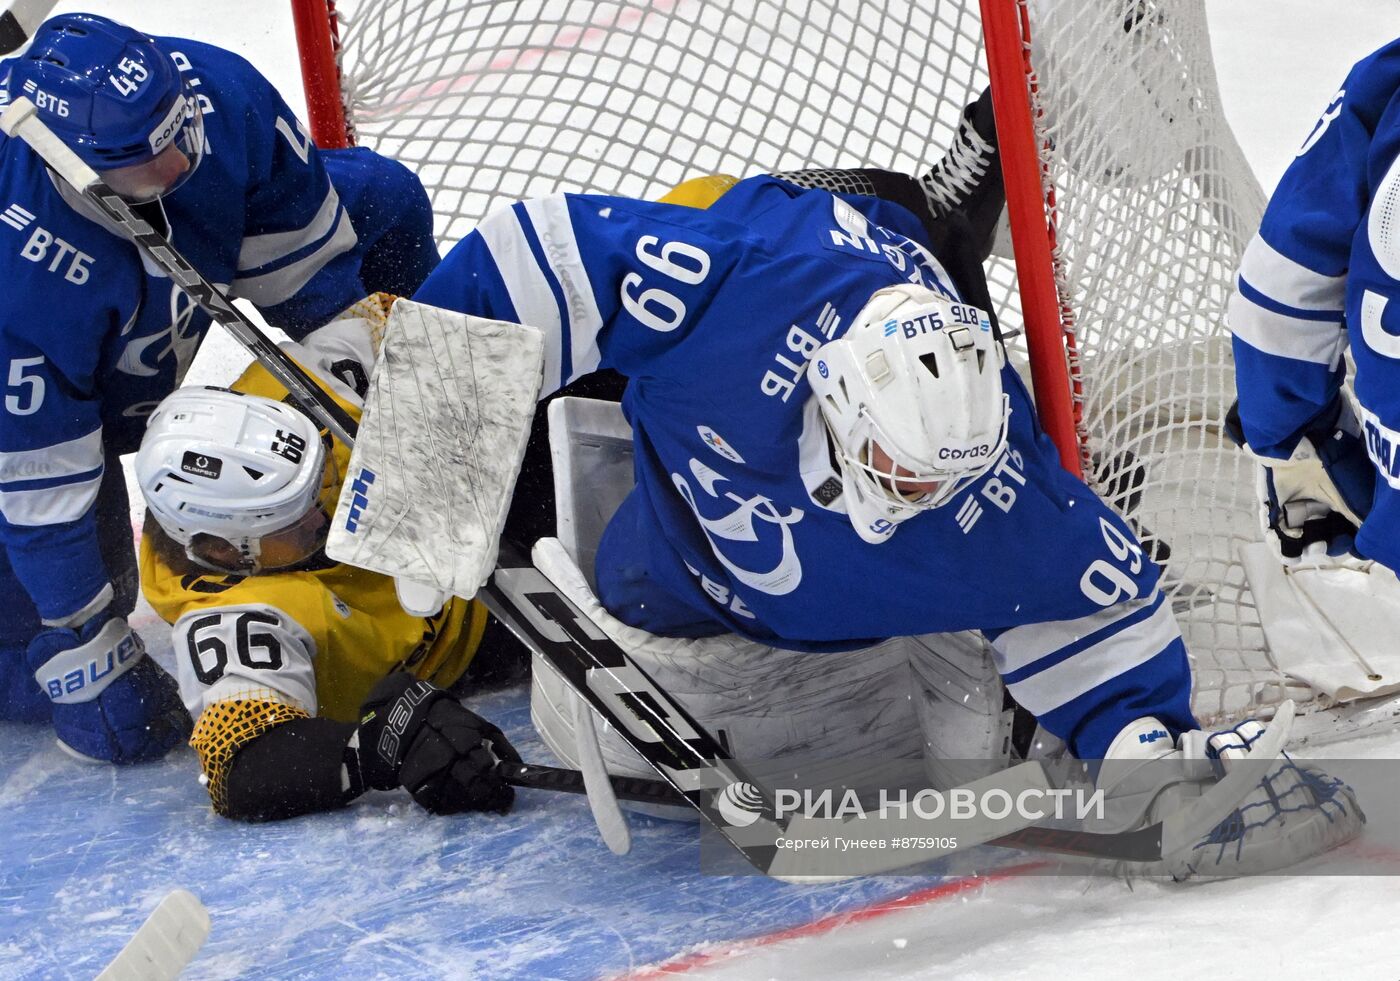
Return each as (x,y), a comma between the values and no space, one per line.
(1029,196)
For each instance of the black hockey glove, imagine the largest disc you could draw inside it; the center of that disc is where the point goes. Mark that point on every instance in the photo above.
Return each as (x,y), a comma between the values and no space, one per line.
(414,735)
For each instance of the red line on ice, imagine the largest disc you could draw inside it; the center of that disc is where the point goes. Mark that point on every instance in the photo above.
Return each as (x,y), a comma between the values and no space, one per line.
(826,924)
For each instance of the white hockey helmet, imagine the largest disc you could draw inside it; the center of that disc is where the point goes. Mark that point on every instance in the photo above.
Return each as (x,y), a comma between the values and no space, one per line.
(918,376)
(228,465)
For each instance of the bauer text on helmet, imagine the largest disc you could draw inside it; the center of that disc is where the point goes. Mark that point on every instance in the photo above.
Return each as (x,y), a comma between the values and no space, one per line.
(911,397)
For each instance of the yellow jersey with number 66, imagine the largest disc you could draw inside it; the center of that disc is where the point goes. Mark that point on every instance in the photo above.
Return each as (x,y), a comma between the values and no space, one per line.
(311,639)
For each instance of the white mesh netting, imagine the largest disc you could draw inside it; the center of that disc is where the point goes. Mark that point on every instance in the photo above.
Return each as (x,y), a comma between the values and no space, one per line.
(491,101)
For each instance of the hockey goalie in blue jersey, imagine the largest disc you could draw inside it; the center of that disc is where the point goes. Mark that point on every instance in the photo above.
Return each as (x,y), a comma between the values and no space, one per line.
(91,337)
(1322,275)
(831,450)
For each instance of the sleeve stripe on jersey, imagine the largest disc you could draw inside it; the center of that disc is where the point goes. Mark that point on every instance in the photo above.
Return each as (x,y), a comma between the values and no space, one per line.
(1042,689)
(34,503)
(1262,299)
(1021,647)
(1319,342)
(526,284)
(1292,286)
(70,459)
(579,308)
(281,285)
(259,250)
(532,239)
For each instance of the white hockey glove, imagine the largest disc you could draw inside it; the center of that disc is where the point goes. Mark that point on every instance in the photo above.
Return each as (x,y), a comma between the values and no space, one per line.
(1312,503)
(1296,811)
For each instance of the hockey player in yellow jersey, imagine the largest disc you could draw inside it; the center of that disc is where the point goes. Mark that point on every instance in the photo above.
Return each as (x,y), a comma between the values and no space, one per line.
(290,663)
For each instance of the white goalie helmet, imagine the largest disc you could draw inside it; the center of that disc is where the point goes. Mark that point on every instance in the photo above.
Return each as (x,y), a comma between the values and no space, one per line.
(231,466)
(916,379)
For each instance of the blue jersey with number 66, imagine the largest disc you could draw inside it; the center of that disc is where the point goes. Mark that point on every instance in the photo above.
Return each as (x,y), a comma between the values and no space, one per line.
(737,522)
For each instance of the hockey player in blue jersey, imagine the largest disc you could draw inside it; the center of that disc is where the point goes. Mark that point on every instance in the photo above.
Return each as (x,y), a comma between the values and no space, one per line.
(831,448)
(1321,276)
(769,502)
(91,337)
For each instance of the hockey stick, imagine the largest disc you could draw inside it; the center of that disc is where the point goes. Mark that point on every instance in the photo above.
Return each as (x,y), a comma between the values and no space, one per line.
(533,776)
(18,23)
(21,120)
(1139,845)
(667,737)
(165,943)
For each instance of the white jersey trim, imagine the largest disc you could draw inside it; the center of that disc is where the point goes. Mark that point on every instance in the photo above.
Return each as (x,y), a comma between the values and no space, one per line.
(77,456)
(527,287)
(555,230)
(51,505)
(259,250)
(1290,283)
(1315,341)
(1116,654)
(281,285)
(1018,647)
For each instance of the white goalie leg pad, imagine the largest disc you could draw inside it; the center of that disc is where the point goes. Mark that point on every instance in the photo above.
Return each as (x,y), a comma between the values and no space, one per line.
(440,446)
(958,700)
(763,703)
(590,447)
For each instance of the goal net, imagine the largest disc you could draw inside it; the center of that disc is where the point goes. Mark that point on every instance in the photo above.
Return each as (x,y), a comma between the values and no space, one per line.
(1135,202)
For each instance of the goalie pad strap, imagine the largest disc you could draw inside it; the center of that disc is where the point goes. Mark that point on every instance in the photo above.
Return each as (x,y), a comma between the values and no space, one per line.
(1323,529)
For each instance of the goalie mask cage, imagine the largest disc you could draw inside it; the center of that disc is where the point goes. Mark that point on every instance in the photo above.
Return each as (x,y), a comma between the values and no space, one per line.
(1130,201)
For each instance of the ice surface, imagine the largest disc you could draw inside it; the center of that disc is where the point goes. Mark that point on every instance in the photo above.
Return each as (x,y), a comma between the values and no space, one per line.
(382,890)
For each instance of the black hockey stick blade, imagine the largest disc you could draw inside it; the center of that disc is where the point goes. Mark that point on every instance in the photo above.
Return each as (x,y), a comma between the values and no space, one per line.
(640,789)
(662,732)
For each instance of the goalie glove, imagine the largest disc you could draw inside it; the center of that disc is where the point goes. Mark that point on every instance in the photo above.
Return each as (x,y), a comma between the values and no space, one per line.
(414,735)
(1313,502)
(1296,812)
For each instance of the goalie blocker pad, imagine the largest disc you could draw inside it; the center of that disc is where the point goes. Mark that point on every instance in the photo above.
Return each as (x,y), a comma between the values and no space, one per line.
(440,444)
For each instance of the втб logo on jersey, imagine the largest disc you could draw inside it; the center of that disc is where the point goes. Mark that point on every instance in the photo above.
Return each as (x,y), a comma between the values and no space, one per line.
(742,525)
(16,217)
(47,249)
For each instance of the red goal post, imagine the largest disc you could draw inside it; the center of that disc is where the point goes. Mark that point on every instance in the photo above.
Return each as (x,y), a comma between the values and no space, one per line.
(1128,197)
